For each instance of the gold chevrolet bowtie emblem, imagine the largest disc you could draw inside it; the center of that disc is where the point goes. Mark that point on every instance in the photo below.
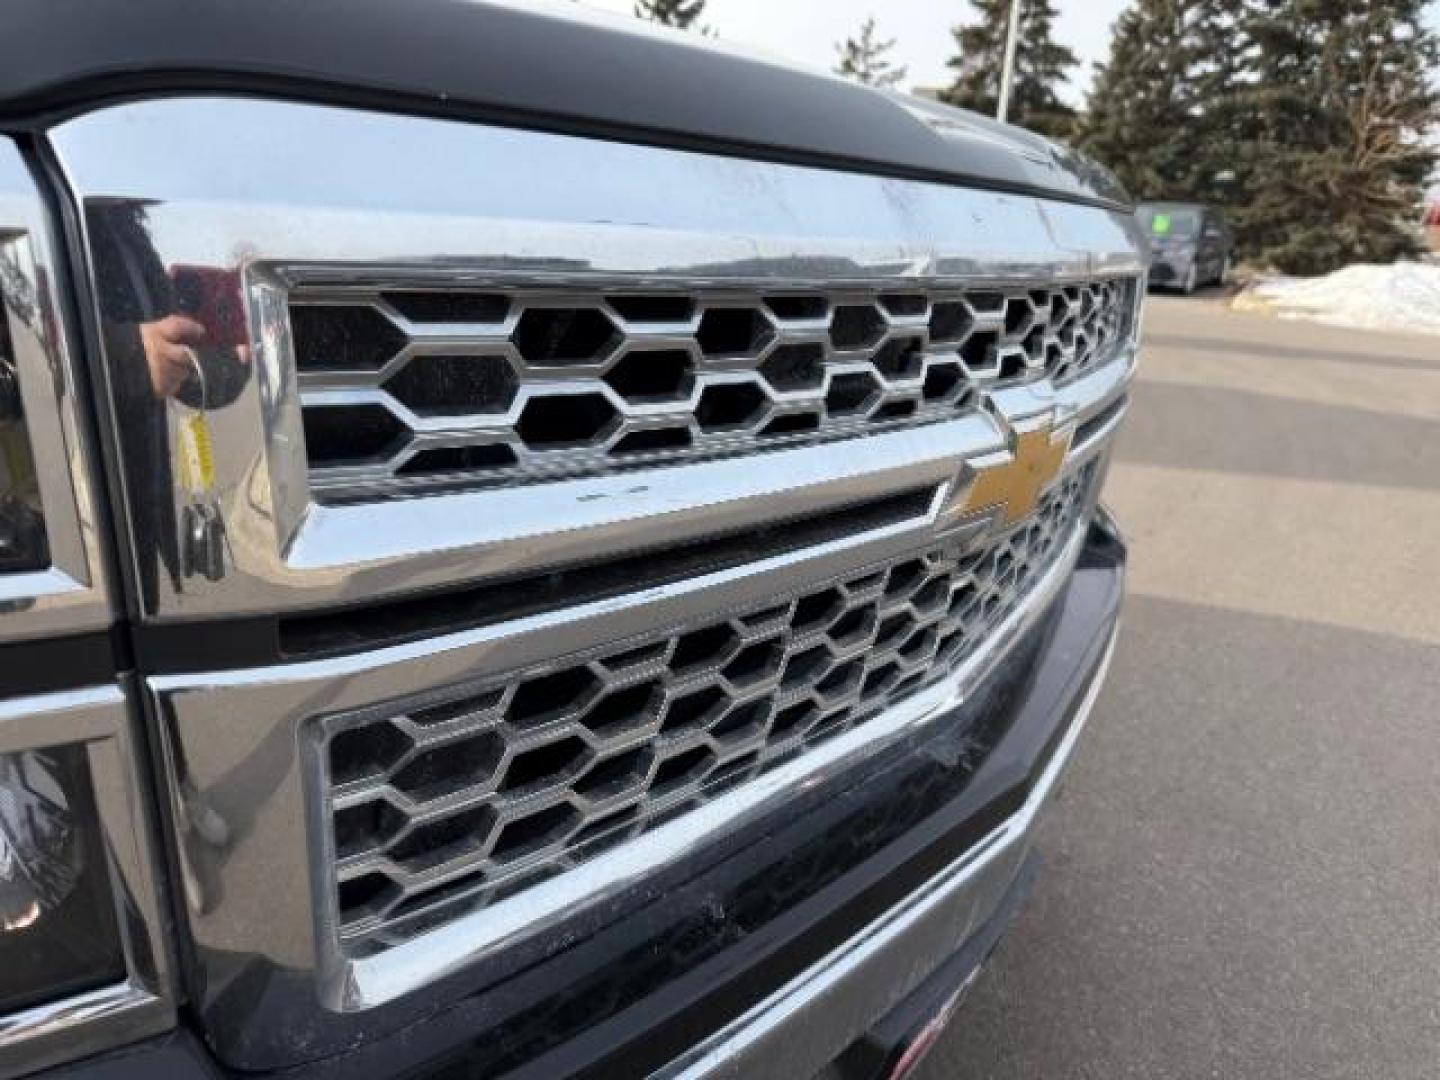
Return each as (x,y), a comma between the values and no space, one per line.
(1012,482)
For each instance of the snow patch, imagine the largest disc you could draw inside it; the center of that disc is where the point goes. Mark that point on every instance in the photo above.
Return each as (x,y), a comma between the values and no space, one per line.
(1400,296)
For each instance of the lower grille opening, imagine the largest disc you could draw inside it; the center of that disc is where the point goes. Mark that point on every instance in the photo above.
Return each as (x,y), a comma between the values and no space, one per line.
(591,751)
(492,602)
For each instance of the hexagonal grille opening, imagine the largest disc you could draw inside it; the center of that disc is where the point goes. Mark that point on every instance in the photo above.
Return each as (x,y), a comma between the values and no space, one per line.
(851,394)
(443,771)
(729,405)
(798,306)
(441,460)
(455,385)
(444,840)
(539,383)
(476,797)
(539,700)
(333,338)
(352,434)
(361,751)
(615,774)
(532,833)
(360,828)
(728,331)
(795,423)
(549,336)
(905,305)
(686,766)
(652,440)
(651,376)
(647,309)
(565,421)
(950,320)
(430,306)
(855,326)
(795,367)
(545,765)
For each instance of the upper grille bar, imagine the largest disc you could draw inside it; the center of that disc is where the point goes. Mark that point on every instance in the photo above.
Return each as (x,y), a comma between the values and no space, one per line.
(471,254)
(426,387)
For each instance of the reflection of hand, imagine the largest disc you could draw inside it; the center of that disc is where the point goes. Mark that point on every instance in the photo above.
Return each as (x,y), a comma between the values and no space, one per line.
(167,344)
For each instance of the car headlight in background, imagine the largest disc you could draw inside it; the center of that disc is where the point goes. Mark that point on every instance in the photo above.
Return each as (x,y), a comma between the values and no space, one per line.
(58,930)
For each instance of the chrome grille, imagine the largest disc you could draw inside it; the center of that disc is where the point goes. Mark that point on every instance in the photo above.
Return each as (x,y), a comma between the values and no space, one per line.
(313,207)
(458,801)
(405,388)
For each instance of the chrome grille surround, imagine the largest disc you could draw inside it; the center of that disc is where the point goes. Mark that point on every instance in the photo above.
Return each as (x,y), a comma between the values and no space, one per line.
(414,389)
(515,781)
(65,590)
(292,201)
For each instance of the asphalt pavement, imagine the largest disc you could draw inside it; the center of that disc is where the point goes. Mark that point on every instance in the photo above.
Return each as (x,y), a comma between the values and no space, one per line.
(1242,872)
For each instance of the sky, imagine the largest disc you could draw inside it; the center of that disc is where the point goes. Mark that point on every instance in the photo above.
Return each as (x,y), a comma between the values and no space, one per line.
(807,30)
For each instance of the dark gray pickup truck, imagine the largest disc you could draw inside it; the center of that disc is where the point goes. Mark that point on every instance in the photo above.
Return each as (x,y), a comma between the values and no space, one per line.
(527,546)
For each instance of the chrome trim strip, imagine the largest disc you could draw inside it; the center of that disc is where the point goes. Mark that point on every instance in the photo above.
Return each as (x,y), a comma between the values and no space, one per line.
(142,1005)
(1098,441)
(785,1036)
(79,1026)
(267,186)
(69,595)
(1096,391)
(636,510)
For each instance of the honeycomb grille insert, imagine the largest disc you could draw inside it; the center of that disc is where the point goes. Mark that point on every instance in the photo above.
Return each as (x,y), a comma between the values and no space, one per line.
(445,805)
(409,388)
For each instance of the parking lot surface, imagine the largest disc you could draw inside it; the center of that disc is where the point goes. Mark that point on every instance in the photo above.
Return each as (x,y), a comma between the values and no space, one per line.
(1242,874)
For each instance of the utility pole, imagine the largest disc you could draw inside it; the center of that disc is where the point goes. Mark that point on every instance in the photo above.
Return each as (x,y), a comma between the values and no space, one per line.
(1007,72)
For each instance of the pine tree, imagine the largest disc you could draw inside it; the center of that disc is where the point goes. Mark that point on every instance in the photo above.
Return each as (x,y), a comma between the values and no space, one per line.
(1140,116)
(1160,111)
(1305,119)
(1333,163)
(866,58)
(1041,64)
(678,13)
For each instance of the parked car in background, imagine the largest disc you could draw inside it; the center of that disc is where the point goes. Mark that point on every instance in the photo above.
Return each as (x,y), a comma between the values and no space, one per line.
(1190,244)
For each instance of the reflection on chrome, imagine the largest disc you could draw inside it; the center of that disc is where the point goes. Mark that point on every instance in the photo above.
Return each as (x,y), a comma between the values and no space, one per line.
(39,857)
(50,568)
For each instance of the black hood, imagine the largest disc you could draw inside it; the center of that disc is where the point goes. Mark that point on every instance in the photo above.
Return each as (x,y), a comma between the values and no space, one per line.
(533,67)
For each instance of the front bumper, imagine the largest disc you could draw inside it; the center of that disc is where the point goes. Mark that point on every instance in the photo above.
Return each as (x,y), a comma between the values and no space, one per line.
(814,1018)
(878,889)
(1169,269)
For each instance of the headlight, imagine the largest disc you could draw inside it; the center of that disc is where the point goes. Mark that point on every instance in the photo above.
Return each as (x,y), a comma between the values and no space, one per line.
(58,931)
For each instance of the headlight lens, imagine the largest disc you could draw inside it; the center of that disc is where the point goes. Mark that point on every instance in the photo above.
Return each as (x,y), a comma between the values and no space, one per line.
(58,932)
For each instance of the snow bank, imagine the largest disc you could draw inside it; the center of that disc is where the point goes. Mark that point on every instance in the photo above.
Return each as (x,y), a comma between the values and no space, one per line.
(1402,296)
